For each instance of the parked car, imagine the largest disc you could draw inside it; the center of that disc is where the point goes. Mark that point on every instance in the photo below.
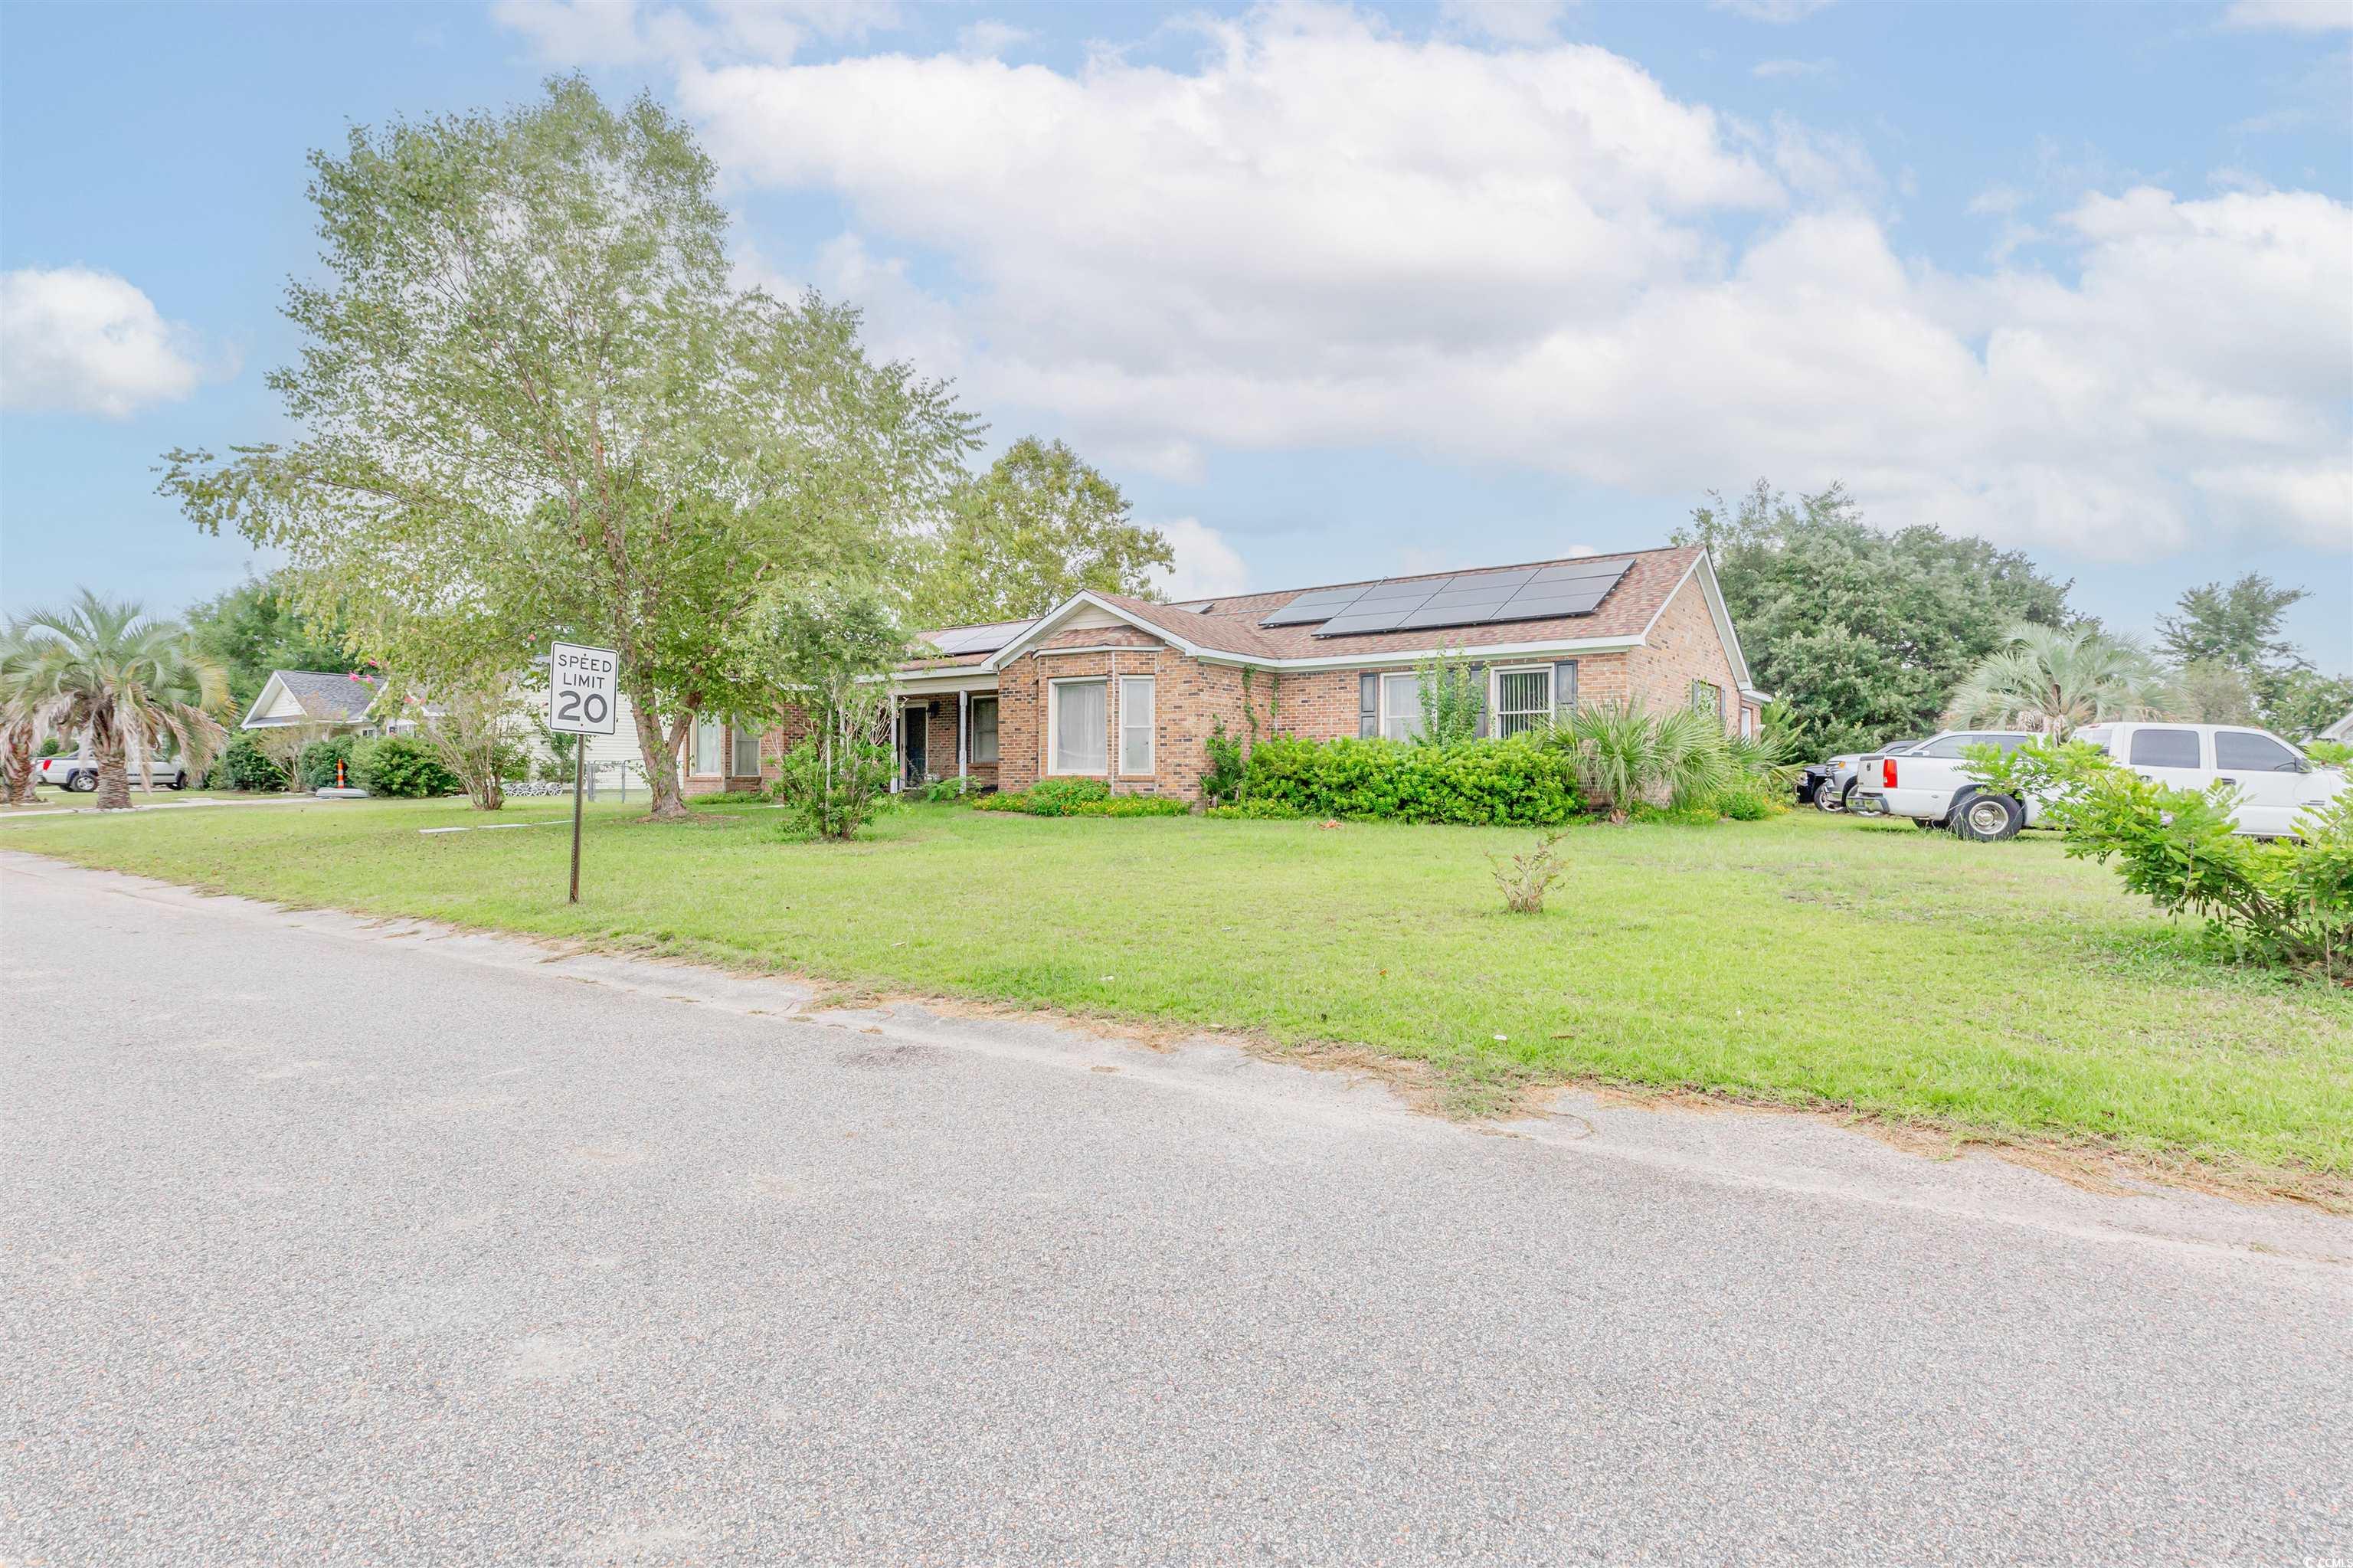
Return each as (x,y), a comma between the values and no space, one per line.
(1929,785)
(2276,782)
(79,774)
(1830,784)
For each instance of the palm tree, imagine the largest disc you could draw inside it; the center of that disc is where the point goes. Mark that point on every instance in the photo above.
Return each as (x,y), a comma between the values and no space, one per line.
(111,671)
(2055,682)
(1625,756)
(20,715)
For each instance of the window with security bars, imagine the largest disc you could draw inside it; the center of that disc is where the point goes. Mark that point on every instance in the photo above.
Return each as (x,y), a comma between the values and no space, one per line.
(1522,701)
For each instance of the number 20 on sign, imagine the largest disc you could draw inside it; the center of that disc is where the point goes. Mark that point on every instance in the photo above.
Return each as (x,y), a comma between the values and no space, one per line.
(583,697)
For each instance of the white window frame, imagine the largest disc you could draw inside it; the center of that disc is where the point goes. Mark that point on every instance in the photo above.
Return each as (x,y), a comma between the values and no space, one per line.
(1127,684)
(694,757)
(1541,717)
(1054,726)
(1413,684)
(996,716)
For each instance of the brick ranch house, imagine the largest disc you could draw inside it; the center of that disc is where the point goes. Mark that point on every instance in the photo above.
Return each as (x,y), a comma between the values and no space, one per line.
(1126,690)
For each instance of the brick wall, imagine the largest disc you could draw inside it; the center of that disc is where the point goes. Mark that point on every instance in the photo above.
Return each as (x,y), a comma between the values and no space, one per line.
(1683,646)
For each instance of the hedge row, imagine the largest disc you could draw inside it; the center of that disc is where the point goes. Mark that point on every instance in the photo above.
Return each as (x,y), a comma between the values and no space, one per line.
(1080,798)
(1498,783)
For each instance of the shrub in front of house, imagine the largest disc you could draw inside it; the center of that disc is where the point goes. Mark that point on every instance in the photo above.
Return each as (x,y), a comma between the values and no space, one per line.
(242,765)
(1257,811)
(1079,798)
(1515,782)
(316,766)
(397,766)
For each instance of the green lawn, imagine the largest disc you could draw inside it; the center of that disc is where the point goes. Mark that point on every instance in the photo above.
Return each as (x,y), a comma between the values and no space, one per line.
(1995,990)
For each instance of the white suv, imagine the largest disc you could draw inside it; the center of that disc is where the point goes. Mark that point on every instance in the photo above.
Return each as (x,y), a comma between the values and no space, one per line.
(2276,781)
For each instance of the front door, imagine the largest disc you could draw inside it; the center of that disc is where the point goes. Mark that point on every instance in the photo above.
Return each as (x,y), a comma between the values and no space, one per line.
(913,766)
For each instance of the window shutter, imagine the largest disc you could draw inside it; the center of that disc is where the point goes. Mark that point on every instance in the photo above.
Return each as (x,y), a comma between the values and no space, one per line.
(1368,706)
(1564,687)
(1486,708)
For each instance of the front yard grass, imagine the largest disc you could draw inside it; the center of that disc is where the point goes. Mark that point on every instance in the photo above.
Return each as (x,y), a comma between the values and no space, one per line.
(1995,992)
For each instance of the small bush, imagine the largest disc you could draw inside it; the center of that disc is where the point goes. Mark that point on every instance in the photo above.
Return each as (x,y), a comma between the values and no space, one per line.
(831,792)
(242,765)
(316,766)
(734,798)
(1525,876)
(1223,781)
(2284,903)
(1515,782)
(950,789)
(1256,811)
(401,767)
(1746,803)
(2330,753)
(1080,798)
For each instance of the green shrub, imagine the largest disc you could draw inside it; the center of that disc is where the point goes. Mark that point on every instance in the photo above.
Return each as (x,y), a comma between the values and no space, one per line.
(1746,803)
(1256,811)
(1513,782)
(242,765)
(316,766)
(2282,903)
(831,791)
(949,788)
(1081,797)
(734,798)
(1625,757)
(1222,782)
(400,766)
(2330,753)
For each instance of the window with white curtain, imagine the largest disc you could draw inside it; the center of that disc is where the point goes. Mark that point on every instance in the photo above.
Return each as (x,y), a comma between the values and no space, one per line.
(1401,705)
(747,751)
(984,729)
(1523,700)
(1078,722)
(1136,724)
(710,737)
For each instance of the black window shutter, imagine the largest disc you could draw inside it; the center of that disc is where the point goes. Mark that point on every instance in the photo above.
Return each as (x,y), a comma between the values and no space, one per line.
(1564,686)
(1368,706)
(1478,679)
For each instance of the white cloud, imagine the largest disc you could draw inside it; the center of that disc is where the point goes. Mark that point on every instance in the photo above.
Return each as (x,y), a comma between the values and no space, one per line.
(1506,21)
(89,342)
(1776,12)
(1326,233)
(1769,69)
(2291,16)
(1207,566)
(987,38)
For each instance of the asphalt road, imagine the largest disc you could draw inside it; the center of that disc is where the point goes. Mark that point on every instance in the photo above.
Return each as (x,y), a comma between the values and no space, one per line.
(332,1244)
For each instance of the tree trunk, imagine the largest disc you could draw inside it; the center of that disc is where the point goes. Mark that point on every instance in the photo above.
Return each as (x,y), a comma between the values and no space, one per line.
(113,769)
(17,762)
(660,760)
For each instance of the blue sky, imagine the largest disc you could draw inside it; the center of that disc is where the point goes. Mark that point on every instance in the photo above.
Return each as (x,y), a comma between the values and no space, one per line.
(1332,291)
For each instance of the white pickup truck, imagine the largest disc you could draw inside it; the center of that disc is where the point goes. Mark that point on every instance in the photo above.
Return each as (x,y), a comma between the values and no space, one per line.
(2276,782)
(79,774)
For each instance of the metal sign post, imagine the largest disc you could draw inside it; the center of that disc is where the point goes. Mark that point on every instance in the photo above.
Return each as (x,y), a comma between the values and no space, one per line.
(584,698)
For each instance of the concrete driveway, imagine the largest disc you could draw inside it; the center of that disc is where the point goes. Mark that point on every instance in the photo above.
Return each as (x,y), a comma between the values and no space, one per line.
(333,1242)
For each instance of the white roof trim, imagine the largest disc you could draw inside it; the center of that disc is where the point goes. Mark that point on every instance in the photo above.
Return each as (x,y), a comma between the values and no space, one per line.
(1048,621)
(253,719)
(1704,570)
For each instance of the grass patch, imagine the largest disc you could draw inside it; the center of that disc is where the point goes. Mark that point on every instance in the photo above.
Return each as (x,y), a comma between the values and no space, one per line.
(1994,991)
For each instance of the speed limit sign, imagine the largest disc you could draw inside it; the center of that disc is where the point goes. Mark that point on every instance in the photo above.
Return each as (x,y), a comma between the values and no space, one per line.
(584,690)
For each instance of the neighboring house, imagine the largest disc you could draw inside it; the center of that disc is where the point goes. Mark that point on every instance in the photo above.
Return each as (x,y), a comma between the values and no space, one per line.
(2342,730)
(334,702)
(1127,690)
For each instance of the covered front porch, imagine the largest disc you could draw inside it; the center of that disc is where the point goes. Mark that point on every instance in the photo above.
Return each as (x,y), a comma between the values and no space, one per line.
(945,727)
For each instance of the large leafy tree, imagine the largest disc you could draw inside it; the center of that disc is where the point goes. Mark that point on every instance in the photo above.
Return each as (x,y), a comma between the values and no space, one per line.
(535,404)
(2238,625)
(1863,635)
(112,672)
(2056,680)
(1036,528)
(255,627)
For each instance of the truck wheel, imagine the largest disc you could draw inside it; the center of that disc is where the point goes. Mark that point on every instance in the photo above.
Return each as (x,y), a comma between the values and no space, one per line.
(1986,818)
(82,783)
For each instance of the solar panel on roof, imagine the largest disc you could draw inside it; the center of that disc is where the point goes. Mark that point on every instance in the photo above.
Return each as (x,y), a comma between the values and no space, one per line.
(1467,598)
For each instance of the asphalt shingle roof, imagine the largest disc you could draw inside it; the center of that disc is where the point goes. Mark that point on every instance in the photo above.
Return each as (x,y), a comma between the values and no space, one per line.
(327,696)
